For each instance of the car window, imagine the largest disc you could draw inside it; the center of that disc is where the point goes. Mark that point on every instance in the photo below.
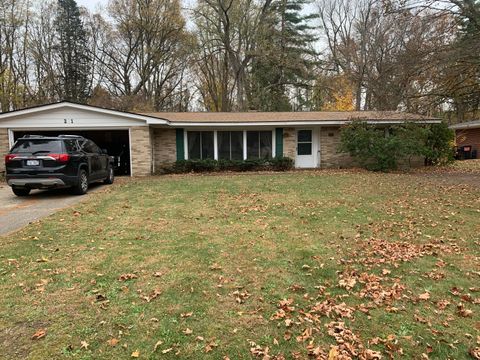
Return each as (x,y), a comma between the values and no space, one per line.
(38,146)
(71,145)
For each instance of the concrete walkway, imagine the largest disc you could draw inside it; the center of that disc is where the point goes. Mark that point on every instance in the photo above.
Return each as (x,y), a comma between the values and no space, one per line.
(17,212)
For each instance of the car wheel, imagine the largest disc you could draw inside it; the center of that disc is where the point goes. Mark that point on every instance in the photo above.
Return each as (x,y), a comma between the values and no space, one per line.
(20,191)
(82,185)
(111,176)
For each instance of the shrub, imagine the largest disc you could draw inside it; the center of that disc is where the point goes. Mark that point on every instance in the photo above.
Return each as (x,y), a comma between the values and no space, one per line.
(209,165)
(381,148)
(282,163)
(439,149)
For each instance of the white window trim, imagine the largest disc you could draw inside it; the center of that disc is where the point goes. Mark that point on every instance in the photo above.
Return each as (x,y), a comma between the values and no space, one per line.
(244,144)
(215,145)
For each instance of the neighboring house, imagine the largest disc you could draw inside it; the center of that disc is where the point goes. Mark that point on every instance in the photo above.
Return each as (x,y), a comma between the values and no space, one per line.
(467,135)
(146,142)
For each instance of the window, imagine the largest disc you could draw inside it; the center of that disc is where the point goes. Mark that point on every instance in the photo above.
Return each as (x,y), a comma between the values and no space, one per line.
(200,144)
(304,142)
(71,145)
(37,146)
(230,145)
(259,144)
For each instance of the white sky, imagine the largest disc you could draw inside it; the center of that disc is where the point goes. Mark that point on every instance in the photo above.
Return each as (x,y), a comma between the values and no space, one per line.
(92,4)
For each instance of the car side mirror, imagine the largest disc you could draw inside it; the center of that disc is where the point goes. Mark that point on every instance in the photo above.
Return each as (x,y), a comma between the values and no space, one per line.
(104,151)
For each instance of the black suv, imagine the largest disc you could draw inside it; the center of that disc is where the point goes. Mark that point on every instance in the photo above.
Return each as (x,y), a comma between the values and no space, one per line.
(44,162)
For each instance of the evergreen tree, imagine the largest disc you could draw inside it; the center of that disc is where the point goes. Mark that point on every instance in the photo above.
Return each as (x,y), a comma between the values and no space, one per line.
(72,49)
(284,56)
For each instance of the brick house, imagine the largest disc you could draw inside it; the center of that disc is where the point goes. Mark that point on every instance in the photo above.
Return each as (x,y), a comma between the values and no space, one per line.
(467,134)
(146,142)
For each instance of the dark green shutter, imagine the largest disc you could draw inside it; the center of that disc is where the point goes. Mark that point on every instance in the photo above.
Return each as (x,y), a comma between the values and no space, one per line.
(279,142)
(180,145)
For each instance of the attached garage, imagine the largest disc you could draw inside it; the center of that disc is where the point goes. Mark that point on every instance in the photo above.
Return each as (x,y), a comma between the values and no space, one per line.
(126,136)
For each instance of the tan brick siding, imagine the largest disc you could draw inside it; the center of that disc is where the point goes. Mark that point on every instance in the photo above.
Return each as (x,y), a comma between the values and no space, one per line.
(289,142)
(164,148)
(4,148)
(329,155)
(141,150)
(469,137)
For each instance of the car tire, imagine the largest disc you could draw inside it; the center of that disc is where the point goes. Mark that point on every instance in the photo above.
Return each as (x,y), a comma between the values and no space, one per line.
(110,177)
(20,191)
(82,186)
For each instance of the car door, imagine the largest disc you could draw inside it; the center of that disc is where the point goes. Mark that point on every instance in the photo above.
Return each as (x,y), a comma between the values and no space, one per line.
(102,161)
(91,150)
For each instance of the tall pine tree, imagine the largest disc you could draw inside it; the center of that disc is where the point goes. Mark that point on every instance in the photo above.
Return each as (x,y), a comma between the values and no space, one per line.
(284,57)
(72,50)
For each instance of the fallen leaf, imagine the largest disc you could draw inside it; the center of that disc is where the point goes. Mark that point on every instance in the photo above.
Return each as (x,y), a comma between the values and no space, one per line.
(475,352)
(84,345)
(157,344)
(125,277)
(188,331)
(40,333)
(424,296)
(135,354)
(113,342)
(155,293)
(167,350)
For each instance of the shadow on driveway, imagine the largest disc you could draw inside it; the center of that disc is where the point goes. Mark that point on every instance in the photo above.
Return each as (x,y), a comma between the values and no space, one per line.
(17,212)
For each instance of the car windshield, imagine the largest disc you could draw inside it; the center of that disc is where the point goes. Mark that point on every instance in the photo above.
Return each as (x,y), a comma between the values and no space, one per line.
(37,146)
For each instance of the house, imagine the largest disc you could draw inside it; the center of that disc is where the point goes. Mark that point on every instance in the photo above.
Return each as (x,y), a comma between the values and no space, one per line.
(467,138)
(146,142)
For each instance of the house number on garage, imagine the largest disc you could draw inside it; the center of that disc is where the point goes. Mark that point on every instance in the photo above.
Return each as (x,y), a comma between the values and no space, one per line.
(66,121)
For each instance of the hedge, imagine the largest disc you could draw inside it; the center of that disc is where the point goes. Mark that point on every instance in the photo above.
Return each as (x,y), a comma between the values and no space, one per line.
(210,165)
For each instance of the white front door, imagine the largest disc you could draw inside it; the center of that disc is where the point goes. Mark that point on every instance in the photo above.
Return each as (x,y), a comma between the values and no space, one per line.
(305,149)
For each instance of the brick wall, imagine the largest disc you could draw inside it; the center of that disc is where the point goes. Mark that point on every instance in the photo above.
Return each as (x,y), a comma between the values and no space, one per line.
(289,143)
(141,150)
(469,137)
(329,155)
(164,148)
(4,148)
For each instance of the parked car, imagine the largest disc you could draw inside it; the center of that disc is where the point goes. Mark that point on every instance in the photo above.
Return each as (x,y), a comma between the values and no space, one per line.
(44,162)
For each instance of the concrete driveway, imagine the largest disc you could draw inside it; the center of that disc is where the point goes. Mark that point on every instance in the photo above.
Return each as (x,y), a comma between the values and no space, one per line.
(17,212)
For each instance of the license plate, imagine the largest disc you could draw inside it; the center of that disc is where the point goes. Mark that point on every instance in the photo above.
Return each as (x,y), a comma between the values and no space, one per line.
(33,162)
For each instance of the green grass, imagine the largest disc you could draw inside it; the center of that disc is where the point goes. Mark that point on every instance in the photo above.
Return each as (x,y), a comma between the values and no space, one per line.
(255,238)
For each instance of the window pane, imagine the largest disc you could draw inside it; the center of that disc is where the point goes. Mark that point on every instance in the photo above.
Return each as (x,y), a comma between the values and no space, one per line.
(253,145)
(37,146)
(237,145)
(207,145)
(305,136)
(265,144)
(304,149)
(193,144)
(71,145)
(223,138)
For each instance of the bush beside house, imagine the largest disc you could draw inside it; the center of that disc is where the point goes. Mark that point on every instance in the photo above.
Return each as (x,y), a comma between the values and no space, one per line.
(383,148)
(210,165)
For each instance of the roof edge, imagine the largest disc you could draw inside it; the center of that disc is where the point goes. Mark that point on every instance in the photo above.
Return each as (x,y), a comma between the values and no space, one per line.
(55,105)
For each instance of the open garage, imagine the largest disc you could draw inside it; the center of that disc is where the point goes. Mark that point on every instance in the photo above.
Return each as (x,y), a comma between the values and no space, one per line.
(126,136)
(116,142)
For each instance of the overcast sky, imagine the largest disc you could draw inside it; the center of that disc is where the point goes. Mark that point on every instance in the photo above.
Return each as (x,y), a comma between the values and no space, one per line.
(91,4)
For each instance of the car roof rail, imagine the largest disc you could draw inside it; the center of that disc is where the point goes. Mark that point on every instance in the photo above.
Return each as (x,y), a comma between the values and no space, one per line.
(71,136)
(31,136)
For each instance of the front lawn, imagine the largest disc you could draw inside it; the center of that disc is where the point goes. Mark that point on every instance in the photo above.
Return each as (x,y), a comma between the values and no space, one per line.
(266,266)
